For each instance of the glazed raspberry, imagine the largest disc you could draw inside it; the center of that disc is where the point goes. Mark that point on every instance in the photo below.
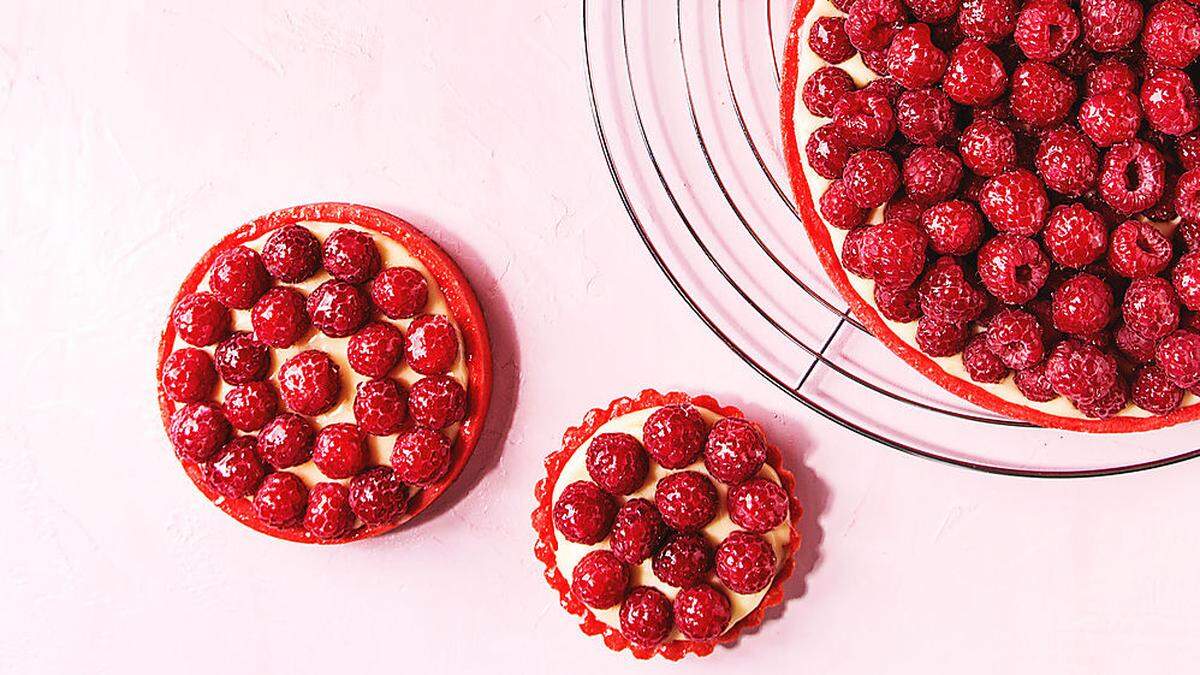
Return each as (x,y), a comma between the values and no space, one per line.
(1075,236)
(437,401)
(1080,371)
(421,457)
(1135,346)
(674,435)
(851,254)
(329,514)
(188,375)
(975,75)
(1034,383)
(886,87)
(735,451)
(618,463)
(292,254)
(375,349)
(1046,29)
(684,561)
(1133,178)
(902,305)
(702,612)
(838,208)
(198,430)
(1110,25)
(1171,36)
(236,470)
(1109,404)
(1169,101)
(988,20)
(646,616)
(981,364)
(1108,75)
(241,359)
(599,580)
(687,500)
(350,256)
(377,496)
(1153,392)
(340,450)
(988,147)
(281,499)
(1178,354)
(1150,307)
(932,174)
(932,11)
(1083,305)
(286,441)
(338,308)
(870,178)
(824,89)
(827,39)
(432,344)
(1187,201)
(1013,268)
(400,292)
(1186,279)
(1015,202)
(1015,337)
(250,406)
(827,152)
(912,58)
(380,406)
(310,382)
(1187,149)
(1067,161)
(584,513)
(637,531)
(279,317)
(894,253)
(939,338)
(1138,250)
(200,319)
(745,562)
(865,118)
(1041,96)
(758,505)
(876,61)
(872,24)
(239,278)
(947,296)
(1111,117)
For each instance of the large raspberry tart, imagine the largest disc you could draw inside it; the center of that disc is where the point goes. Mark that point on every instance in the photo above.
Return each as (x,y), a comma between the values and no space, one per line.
(325,373)
(1007,194)
(667,524)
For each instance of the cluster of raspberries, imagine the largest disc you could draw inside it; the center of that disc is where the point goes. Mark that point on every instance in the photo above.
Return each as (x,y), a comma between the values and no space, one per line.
(667,532)
(1038,169)
(282,405)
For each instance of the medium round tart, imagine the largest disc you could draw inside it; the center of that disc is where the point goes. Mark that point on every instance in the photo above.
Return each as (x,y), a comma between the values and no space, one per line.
(1007,195)
(667,524)
(325,373)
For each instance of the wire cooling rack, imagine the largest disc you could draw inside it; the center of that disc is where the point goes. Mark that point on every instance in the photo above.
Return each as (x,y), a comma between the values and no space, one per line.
(685,100)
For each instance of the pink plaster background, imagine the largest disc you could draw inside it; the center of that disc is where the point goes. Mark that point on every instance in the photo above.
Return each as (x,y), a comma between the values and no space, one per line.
(133,134)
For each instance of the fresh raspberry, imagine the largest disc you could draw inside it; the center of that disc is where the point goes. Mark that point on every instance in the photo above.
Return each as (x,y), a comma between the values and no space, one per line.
(1109,75)
(646,616)
(1169,101)
(894,253)
(350,255)
(870,178)
(1078,61)
(279,317)
(904,208)
(827,39)
(1154,393)
(338,308)
(932,11)
(281,499)
(877,62)
(924,116)
(871,24)
(236,470)
(250,406)
(637,531)
(400,292)
(200,319)
(758,505)
(947,296)
(340,450)
(241,359)
(981,364)
(838,208)
(1187,149)
(1178,354)
(1171,36)
(988,20)
(1080,371)
(939,338)
(1075,236)
(1150,307)
(1067,161)
(1135,346)
(1041,96)
(988,147)
(685,560)
(239,278)
(377,496)
(1082,305)
(1015,337)
(913,60)
(827,152)
(584,513)
(975,75)
(1138,249)
(931,174)
(851,254)
(286,441)
(198,430)
(1015,202)
(1133,178)
(437,401)
(1186,279)
(617,462)
(1046,28)
(1187,200)
(292,254)
(421,457)
(824,89)
(599,579)
(902,305)
(432,344)
(1109,404)
(310,382)
(687,500)
(735,451)
(1110,117)
(375,349)
(674,435)
(745,562)
(865,118)
(702,612)
(1110,25)
(188,375)
(1034,383)
(329,514)
(1013,268)
(380,406)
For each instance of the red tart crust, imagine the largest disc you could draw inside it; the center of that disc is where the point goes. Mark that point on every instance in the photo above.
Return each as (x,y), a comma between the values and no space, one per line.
(545,546)
(463,306)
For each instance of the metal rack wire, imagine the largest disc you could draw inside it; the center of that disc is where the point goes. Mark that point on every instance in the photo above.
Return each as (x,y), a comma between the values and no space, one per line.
(684,101)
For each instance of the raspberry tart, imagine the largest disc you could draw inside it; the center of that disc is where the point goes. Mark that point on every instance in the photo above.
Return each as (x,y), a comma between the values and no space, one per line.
(325,373)
(666,524)
(1007,194)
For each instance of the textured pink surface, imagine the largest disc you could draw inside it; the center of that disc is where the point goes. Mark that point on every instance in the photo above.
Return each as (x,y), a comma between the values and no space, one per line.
(133,136)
